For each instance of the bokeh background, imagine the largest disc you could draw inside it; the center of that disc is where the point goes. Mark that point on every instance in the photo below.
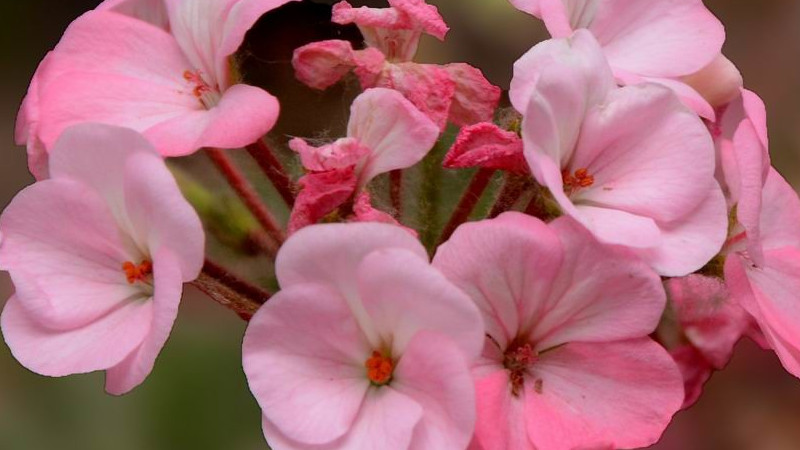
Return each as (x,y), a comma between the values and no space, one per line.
(197,397)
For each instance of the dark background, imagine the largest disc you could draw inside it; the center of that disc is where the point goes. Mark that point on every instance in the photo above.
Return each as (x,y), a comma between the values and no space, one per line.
(197,397)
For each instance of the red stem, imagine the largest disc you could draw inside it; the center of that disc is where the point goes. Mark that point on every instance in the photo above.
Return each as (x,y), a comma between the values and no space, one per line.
(273,169)
(396,191)
(468,201)
(512,190)
(247,194)
(230,291)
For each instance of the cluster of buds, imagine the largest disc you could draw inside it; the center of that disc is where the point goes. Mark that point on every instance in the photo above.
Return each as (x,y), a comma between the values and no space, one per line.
(620,228)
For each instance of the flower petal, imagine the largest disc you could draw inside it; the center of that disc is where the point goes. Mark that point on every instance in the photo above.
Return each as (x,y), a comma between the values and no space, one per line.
(604,395)
(505,265)
(97,345)
(396,132)
(168,288)
(304,356)
(400,308)
(434,373)
(601,293)
(61,243)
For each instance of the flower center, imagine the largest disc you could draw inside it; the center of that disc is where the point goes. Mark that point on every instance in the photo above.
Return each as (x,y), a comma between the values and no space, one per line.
(141,272)
(573,182)
(208,96)
(379,369)
(517,359)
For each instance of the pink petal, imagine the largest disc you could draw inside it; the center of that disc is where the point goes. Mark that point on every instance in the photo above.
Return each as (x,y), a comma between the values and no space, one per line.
(423,16)
(488,146)
(604,395)
(396,132)
(209,32)
(304,356)
(505,266)
(663,38)
(243,115)
(501,416)
(686,93)
(529,6)
(475,98)
(160,217)
(340,154)
(132,371)
(65,254)
(695,370)
(711,321)
(96,155)
(428,87)
(320,194)
(780,213)
(577,59)
(96,345)
(648,155)
(720,82)
(769,294)
(614,226)
(27,125)
(687,245)
(435,374)
(332,253)
(399,310)
(320,65)
(601,293)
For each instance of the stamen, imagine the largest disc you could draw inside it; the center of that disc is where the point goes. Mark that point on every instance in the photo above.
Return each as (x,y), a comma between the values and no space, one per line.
(207,95)
(573,182)
(379,369)
(140,272)
(518,358)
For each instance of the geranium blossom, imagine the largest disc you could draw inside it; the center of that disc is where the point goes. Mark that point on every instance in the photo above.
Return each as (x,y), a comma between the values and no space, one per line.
(657,41)
(385,132)
(365,346)
(767,287)
(175,84)
(98,254)
(632,164)
(567,362)
(456,92)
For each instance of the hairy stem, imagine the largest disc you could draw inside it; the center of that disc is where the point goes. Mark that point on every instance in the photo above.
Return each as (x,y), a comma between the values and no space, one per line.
(247,194)
(273,169)
(396,191)
(230,291)
(511,192)
(467,203)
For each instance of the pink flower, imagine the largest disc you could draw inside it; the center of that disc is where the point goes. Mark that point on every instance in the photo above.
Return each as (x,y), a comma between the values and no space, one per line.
(456,92)
(488,146)
(385,132)
(365,346)
(176,87)
(567,362)
(657,41)
(632,164)
(98,254)
(707,325)
(767,287)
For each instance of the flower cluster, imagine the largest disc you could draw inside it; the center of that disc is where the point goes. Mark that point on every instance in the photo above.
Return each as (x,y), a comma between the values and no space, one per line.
(639,232)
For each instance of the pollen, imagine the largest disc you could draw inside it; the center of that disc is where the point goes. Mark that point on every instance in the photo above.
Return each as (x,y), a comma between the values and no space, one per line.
(574,181)
(379,369)
(138,272)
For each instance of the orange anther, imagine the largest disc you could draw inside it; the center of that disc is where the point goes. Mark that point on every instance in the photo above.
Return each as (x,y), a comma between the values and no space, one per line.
(139,272)
(379,368)
(581,179)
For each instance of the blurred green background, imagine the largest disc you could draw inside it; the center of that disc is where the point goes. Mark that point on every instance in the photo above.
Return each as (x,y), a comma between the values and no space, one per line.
(197,397)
